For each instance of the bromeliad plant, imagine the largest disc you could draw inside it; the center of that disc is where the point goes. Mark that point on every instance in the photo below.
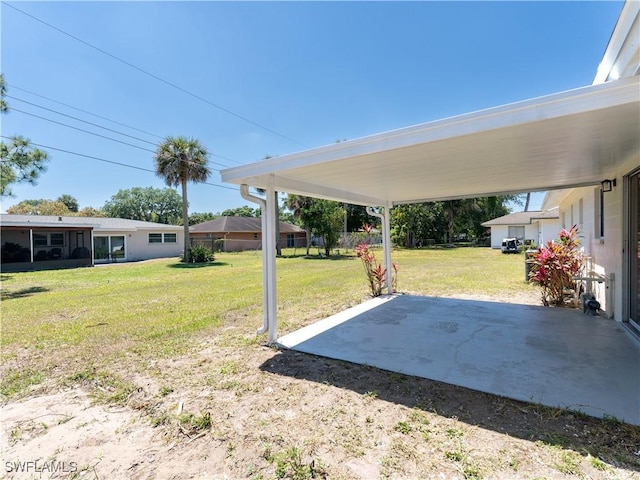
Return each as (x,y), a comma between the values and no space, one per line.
(554,265)
(376,273)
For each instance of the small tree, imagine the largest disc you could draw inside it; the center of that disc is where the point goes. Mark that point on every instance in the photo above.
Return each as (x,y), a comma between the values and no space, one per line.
(554,265)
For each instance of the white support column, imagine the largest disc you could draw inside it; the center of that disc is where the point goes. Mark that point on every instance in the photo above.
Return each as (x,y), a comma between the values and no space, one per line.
(244,191)
(269,243)
(386,245)
(386,242)
(31,243)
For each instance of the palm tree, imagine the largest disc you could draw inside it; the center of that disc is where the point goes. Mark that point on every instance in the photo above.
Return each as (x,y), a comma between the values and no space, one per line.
(180,160)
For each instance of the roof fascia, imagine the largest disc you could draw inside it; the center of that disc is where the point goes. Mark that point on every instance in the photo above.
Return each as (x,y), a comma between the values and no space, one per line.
(622,46)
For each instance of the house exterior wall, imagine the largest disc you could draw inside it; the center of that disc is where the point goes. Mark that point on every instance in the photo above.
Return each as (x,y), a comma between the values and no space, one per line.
(498,232)
(606,253)
(548,229)
(138,247)
(240,241)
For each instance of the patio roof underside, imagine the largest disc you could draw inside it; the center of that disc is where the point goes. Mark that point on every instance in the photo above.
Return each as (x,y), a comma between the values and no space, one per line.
(564,140)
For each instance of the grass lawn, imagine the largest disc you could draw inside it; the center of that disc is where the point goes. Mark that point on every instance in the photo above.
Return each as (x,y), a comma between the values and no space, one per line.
(154,334)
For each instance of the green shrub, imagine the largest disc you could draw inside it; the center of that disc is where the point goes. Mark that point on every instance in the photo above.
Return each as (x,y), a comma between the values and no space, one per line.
(201,254)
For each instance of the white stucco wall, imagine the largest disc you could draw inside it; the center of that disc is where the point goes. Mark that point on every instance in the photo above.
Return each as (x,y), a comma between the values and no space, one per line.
(137,246)
(498,232)
(607,253)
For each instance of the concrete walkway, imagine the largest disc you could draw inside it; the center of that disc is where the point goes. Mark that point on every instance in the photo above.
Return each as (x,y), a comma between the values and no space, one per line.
(553,356)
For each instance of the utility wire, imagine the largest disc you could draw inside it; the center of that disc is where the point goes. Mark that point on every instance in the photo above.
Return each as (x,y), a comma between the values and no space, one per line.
(48,147)
(81,130)
(90,123)
(160,79)
(80,120)
(107,119)
(81,110)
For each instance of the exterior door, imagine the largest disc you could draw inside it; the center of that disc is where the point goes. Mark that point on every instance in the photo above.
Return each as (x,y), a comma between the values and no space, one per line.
(108,248)
(634,250)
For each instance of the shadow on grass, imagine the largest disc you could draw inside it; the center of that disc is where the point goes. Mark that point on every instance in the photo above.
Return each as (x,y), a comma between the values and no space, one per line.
(532,422)
(26,292)
(323,257)
(197,265)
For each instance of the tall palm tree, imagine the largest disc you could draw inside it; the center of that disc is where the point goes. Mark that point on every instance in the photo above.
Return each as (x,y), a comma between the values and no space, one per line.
(180,160)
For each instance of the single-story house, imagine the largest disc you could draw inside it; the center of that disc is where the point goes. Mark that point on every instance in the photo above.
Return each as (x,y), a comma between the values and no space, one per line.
(37,242)
(535,226)
(585,141)
(235,234)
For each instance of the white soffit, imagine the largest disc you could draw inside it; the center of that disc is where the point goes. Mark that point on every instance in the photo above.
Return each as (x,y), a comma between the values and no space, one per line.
(563,140)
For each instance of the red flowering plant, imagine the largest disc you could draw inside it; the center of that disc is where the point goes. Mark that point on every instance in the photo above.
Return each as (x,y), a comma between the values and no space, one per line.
(376,273)
(555,265)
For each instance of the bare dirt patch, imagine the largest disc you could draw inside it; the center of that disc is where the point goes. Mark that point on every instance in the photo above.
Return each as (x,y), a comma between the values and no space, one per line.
(219,411)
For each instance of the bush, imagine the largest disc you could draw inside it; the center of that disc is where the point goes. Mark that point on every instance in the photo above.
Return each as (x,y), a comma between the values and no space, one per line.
(554,266)
(12,252)
(201,254)
(376,273)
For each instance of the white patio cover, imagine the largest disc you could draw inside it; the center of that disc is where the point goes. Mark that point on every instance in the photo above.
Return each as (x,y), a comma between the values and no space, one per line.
(568,139)
(563,140)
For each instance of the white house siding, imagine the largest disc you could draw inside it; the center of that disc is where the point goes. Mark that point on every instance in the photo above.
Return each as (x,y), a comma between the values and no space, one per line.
(137,246)
(498,232)
(548,229)
(607,253)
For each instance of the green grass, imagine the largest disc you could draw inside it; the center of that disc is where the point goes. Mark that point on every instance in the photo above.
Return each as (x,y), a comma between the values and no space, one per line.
(94,317)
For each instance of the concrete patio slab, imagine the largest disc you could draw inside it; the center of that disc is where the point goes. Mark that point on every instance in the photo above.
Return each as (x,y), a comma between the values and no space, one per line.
(553,356)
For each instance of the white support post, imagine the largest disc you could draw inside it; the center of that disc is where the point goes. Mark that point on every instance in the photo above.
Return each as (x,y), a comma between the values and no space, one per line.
(386,242)
(269,243)
(386,245)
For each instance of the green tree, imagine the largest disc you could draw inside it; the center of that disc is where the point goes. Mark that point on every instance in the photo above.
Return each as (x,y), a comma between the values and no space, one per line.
(161,205)
(40,207)
(90,212)
(244,211)
(180,160)
(196,218)
(69,201)
(300,207)
(326,221)
(414,223)
(19,161)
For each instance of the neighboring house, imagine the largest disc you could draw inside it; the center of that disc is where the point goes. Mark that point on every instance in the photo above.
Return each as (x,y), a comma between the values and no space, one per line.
(537,226)
(36,242)
(235,234)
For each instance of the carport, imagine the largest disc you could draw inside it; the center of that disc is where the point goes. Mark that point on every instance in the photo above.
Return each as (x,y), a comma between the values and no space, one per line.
(569,139)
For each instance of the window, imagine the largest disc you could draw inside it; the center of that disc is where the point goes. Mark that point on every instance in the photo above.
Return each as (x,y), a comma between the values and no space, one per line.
(57,239)
(516,232)
(155,238)
(40,240)
(580,213)
(163,238)
(48,239)
(598,201)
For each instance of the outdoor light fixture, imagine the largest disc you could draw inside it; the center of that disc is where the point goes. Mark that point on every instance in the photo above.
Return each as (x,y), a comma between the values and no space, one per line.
(607,185)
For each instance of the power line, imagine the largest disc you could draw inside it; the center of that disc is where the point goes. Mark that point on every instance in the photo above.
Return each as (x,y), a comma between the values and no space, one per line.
(113,162)
(90,123)
(160,79)
(81,130)
(104,118)
(80,120)
(83,111)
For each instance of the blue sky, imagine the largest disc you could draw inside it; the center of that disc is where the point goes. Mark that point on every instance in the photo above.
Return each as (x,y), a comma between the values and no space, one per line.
(294,75)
